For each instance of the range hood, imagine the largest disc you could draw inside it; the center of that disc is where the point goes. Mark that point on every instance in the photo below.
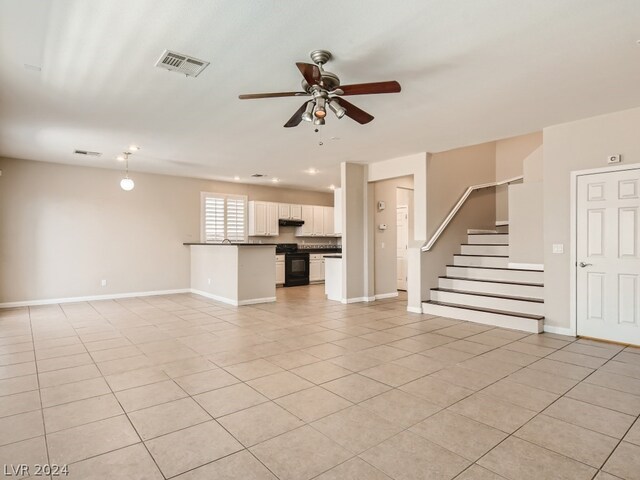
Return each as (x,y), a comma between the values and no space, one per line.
(285,222)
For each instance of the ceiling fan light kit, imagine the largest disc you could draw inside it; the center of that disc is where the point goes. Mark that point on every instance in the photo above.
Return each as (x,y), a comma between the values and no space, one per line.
(325,89)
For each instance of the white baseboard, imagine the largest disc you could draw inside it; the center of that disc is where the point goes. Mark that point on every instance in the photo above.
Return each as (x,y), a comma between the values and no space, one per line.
(230,301)
(527,266)
(559,330)
(92,298)
(357,299)
(382,296)
(414,309)
(253,301)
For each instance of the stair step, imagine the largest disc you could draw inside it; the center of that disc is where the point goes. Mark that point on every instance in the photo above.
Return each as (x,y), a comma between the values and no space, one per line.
(465,299)
(488,238)
(498,318)
(481,260)
(479,230)
(516,289)
(496,274)
(502,228)
(483,249)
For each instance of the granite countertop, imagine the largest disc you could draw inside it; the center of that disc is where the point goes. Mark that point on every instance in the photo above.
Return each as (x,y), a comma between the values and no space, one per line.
(319,250)
(232,244)
(333,256)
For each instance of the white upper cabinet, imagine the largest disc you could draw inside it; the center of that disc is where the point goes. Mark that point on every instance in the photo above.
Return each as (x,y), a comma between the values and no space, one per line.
(264,216)
(328,222)
(284,210)
(337,211)
(263,219)
(296,212)
(318,221)
(306,230)
(288,211)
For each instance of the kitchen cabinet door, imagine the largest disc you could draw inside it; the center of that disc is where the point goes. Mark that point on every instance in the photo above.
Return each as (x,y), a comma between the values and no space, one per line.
(296,212)
(315,271)
(257,219)
(279,272)
(328,222)
(284,211)
(318,221)
(306,230)
(272,219)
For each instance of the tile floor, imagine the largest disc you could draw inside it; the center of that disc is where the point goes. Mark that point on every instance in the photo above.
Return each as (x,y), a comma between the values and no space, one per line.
(182,387)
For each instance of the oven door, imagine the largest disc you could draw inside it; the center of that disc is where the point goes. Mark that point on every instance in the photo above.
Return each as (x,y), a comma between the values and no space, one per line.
(296,269)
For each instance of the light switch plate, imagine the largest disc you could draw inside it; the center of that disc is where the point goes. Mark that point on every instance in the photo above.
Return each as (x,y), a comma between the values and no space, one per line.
(558,248)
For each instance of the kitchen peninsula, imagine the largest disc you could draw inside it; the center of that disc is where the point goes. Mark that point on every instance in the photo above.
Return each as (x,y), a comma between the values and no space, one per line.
(234,273)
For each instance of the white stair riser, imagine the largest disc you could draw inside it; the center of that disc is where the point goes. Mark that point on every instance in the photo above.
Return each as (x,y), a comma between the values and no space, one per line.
(502,262)
(484,249)
(480,230)
(489,274)
(486,318)
(493,288)
(493,303)
(501,239)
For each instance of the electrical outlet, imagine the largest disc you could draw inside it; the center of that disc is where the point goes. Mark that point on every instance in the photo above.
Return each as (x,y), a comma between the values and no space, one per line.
(614,158)
(382,245)
(103,283)
(209,281)
(557,248)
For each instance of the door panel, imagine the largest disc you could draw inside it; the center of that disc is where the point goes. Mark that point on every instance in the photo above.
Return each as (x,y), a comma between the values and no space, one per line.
(608,271)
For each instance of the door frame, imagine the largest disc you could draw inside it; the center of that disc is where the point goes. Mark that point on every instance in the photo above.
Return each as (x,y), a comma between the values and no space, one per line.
(406,208)
(573,244)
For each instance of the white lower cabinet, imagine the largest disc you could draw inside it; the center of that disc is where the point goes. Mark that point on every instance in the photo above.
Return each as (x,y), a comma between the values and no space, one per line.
(279,269)
(316,268)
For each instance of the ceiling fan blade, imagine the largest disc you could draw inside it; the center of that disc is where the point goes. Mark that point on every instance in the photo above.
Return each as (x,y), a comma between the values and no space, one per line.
(370,88)
(311,73)
(295,120)
(354,112)
(249,96)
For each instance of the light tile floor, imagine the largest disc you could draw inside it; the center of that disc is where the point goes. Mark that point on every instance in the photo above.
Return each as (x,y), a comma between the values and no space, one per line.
(182,387)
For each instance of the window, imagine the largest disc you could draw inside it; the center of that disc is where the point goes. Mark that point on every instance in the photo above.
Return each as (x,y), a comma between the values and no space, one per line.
(224,217)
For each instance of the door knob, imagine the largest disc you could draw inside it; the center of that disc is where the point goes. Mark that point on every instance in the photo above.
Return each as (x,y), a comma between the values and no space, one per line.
(582,264)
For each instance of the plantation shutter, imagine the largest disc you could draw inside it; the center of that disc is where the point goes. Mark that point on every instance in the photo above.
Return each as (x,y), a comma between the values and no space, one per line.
(224,217)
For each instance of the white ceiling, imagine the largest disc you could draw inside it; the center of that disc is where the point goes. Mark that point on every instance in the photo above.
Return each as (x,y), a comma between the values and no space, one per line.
(471,71)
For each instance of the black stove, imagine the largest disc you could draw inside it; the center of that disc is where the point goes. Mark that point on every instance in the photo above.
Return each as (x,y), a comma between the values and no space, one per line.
(286,248)
(296,264)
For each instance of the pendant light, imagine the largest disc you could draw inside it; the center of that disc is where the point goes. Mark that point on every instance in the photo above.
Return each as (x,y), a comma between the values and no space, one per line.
(127,183)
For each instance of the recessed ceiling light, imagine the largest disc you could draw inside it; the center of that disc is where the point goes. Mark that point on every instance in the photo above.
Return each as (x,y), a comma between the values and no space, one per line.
(134,148)
(120,158)
(236,178)
(275,179)
(312,171)
(332,187)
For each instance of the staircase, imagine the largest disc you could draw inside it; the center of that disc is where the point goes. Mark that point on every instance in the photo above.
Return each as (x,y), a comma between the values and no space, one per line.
(480,287)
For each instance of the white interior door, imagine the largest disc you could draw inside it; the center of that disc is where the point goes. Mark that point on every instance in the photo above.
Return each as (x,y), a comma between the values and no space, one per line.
(402,225)
(608,270)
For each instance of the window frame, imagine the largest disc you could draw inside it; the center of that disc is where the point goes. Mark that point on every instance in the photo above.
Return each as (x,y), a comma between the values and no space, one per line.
(225,197)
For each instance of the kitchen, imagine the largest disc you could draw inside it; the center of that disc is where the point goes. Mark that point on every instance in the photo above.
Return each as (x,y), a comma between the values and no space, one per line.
(286,246)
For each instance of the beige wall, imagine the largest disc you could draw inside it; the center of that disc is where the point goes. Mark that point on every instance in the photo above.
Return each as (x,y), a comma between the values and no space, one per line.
(526,223)
(385,256)
(580,145)
(510,155)
(64,228)
(449,175)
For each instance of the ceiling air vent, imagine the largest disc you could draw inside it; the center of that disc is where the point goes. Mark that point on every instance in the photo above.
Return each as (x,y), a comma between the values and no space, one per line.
(179,63)
(258,175)
(87,153)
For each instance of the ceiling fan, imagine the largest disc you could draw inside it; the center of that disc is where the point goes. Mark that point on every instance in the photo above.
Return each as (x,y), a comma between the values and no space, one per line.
(326,91)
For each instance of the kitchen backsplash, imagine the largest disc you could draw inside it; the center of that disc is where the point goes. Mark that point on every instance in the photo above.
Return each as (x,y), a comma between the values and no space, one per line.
(288,235)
